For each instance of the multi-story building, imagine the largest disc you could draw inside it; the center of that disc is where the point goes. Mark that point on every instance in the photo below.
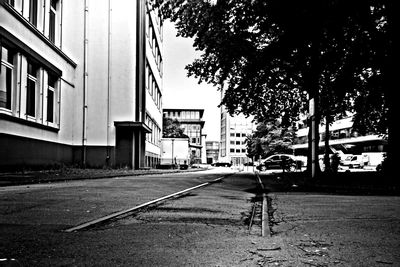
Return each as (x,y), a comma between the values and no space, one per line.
(234,130)
(212,151)
(80,83)
(191,120)
(342,137)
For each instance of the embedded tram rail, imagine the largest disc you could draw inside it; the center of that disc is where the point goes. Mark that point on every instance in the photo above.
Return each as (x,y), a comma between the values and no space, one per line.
(130,211)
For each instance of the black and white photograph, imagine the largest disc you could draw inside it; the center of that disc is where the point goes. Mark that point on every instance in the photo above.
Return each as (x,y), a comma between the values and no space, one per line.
(199,133)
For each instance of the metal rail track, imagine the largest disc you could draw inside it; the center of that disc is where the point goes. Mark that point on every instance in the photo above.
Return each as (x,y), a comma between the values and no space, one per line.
(265,230)
(136,208)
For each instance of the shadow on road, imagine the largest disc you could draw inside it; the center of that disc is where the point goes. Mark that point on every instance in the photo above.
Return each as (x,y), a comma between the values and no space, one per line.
(349,183)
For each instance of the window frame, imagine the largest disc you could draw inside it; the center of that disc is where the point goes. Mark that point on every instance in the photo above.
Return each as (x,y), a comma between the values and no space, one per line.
(33,12)
(53,14)
(9,68)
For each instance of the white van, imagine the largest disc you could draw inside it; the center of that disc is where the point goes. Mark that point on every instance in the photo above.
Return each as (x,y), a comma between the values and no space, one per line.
(353,161)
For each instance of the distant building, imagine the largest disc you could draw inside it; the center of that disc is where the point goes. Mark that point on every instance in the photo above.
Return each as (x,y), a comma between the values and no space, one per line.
(212,151)
(234,131)
(191,121)
(342,137)
(175,151)
(80,83)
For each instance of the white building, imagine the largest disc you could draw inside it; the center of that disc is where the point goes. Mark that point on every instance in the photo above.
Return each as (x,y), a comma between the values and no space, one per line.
(175,151)
(191,121)
(234,130)
(80,83)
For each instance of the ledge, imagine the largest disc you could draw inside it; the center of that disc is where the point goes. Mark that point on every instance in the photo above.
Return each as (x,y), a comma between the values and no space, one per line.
(134,125)
(33,29)
(28,123)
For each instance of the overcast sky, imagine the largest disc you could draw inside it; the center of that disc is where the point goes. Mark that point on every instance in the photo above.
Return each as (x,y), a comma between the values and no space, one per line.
(180,91)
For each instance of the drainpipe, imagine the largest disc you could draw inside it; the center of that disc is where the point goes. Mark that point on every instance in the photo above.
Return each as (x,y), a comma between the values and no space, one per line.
(109,83)
(85,80)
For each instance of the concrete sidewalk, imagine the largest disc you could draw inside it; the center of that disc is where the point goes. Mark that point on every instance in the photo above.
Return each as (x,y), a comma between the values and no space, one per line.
(335,230)
(66,174)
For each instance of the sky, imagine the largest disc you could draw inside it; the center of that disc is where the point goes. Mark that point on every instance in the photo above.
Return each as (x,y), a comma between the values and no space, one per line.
(180,91)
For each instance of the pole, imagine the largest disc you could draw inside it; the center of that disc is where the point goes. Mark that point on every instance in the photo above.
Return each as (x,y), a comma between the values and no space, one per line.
(172,158)
(314,146)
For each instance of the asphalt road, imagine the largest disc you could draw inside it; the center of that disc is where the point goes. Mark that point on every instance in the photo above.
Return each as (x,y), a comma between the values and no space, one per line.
(207,227)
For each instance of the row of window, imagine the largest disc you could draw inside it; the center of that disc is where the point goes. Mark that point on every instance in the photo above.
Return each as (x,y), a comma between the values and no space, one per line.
(183,115)
(191,127)
(155,47)
(45,15)
(155,135)
(238,142)
(27,89)
(152,160)
(336,134)
(152,87)
(233,150)
(238,134)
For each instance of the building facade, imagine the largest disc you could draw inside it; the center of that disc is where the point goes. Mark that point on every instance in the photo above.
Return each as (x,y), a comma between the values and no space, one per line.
(342,137)
(212,151)
(234,130)
(191,121)
(80,83)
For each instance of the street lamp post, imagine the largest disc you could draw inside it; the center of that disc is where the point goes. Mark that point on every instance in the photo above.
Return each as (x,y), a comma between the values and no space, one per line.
(172,158)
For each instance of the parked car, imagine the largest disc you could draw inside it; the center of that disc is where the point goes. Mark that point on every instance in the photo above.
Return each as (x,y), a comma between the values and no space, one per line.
(382,167)
(222,164)
(353,161)
(280,161)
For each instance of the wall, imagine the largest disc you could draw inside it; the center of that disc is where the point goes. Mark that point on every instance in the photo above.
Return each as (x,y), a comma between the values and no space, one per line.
(178,148)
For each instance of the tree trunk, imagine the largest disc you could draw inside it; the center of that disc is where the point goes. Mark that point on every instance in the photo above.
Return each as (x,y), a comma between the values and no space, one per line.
(391,98)
(327,161)
(314,118)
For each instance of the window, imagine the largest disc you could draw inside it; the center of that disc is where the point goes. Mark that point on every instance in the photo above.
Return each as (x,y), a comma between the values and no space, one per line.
(29,95)
(285,158)
(31,90)
(52,20)
(17,4)
(6,77)
(52,83)
(33,11)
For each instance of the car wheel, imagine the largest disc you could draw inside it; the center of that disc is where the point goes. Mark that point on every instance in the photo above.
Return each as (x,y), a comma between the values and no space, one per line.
(292,168)
(263,168)
(379,168)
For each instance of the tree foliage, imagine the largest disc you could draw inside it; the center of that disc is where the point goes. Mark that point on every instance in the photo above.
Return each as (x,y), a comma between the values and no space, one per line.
(269,55)
(270,138)
(172,129)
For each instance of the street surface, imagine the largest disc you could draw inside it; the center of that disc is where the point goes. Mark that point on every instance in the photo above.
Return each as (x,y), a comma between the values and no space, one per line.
(208,226)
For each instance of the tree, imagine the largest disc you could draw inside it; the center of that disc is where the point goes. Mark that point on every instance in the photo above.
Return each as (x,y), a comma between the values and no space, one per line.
(270,138)
(172,128)
(270,55)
